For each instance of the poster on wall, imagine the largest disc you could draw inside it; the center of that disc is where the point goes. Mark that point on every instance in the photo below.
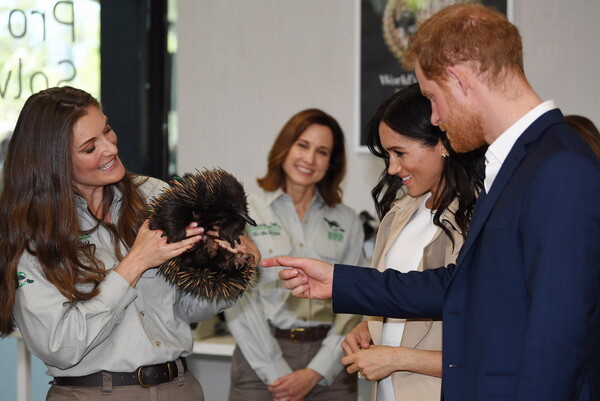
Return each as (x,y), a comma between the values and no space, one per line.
(385,29)
(45,43)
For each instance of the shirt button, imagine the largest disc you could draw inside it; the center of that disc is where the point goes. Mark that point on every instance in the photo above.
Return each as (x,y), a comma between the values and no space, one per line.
(157,343)
(301,245)
(453,365)
(142,313)
(270,251)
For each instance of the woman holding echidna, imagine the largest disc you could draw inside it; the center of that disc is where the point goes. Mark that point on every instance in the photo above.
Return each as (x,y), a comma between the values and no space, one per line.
(289,348)
(76,259)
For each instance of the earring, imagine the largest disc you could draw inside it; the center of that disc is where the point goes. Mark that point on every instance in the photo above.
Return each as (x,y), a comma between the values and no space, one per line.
(445,154)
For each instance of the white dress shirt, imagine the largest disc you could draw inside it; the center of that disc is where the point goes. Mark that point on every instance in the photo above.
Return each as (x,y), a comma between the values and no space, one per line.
(499,149)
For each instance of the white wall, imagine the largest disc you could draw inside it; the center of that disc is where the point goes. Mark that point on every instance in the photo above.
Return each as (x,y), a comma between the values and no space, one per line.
(244,67)
(562,52)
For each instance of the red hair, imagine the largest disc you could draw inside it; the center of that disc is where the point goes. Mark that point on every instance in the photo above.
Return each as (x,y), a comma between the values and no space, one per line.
(471,34)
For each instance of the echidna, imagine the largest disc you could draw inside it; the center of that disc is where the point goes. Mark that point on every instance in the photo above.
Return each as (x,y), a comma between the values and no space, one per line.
(215,200)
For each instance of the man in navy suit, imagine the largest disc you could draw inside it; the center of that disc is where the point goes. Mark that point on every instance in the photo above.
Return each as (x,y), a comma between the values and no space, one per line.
(521,307)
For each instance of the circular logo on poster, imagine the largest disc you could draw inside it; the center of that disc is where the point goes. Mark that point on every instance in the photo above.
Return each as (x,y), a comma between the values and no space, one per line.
(402,17)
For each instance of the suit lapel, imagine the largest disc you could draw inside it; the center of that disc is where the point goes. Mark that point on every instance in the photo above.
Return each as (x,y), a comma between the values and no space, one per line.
(485,205)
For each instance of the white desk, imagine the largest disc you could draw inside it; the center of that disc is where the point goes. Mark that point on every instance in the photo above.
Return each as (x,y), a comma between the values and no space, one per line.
(23,370)
(210,362)
(215,346)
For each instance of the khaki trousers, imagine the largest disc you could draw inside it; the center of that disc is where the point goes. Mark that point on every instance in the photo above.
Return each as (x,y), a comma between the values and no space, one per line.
(186,388)
(247,386)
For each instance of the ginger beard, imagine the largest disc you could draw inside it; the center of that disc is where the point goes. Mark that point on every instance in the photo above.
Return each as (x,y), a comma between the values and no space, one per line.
(463,127)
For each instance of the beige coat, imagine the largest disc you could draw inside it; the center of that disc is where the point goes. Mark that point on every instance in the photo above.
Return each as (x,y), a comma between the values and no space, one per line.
(420,334)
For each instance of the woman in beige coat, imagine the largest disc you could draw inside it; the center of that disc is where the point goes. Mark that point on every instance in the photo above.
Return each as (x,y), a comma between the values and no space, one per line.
(421,230)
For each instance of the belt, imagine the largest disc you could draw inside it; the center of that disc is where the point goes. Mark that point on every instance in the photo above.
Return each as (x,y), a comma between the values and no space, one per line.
(302,334)
(145,376)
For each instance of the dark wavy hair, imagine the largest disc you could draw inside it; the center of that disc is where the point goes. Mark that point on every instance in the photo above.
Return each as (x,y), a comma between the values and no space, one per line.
(329,186)
(408,113)
(38,202)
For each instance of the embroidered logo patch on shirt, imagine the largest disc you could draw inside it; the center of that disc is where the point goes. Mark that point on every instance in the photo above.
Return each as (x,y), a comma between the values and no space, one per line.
(335,232)
(84,238)
(22,277)
(266,229)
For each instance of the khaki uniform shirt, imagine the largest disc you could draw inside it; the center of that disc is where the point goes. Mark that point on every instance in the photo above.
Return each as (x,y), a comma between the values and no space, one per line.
(118,330)
(331,234)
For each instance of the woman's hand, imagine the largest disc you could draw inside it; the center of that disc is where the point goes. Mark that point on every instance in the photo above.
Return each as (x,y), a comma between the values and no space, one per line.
(294,386)
(151,249)
(358,338)
(246,245)
(379,361)
(373,363)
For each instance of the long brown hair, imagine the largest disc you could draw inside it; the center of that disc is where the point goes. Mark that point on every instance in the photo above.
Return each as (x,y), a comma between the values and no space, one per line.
(329,186)
(38,202)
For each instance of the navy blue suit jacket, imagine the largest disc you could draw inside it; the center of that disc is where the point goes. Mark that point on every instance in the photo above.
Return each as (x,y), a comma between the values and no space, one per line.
(521,307)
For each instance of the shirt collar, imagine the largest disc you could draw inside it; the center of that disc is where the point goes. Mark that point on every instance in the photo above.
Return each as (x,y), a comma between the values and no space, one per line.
(81,203)
(499,149)
(272,196)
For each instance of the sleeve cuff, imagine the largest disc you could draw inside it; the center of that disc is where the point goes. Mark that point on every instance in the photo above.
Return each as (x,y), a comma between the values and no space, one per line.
(326,367)
(342,274)
(273,371)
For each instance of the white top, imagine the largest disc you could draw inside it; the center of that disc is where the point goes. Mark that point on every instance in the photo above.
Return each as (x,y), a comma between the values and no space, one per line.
(405,255)
(499,149)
